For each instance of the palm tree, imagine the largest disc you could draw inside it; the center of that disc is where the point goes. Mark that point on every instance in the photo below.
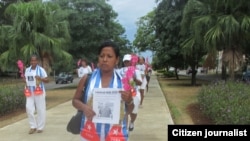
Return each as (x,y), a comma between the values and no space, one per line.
(225,26)
(37,28)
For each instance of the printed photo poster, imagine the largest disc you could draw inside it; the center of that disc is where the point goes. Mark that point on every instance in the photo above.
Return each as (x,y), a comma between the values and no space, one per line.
(106,104)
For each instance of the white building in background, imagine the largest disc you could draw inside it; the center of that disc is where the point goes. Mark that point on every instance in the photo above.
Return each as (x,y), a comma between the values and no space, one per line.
(238,64)
(219,63)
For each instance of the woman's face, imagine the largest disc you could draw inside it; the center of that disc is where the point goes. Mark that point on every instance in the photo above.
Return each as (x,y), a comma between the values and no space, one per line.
(33,62)
(84,64)
(127,63)
(107,59)
(141,61)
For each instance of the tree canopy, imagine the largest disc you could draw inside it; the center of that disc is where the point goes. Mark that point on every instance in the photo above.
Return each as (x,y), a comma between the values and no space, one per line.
(36,28)
(59,31)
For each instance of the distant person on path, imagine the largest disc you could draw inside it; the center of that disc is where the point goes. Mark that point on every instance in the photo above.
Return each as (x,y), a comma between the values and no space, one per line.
(142,68)
(84,69)
(138,81)
(35,76)
(148,75)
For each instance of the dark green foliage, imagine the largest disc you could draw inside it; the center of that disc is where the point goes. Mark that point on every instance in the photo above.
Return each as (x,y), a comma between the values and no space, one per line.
(167,22)
(11,99)
(226,102)
(160,71)
(35,27)
(91,22)
(168,74)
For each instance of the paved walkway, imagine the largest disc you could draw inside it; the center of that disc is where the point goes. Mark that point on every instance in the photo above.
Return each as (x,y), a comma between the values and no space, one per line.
(151,123)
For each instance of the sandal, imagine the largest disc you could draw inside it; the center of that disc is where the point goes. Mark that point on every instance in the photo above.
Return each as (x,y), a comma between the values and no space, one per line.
(32,131)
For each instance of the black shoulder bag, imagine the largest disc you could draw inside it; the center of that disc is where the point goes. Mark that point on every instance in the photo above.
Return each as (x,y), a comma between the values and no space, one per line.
(74,124)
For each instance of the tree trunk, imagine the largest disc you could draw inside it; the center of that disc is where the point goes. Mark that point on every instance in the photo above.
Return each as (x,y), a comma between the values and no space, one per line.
(176,74)
(232,59)
(232,65)
(46,65)
(193,79)
(223,72)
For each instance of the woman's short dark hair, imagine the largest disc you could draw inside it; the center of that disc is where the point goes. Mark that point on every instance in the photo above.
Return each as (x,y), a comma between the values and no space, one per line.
(141,57)
(35,55)
(109,43)
(84,60)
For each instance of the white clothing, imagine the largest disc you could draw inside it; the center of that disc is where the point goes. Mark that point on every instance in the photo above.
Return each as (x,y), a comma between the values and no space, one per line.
(36,102)
(137,75)
(144,83)
(137,98)
(142,69)
(84,70)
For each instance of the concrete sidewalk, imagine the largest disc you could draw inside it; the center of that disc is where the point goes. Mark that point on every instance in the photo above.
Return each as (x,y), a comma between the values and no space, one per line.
(151,123)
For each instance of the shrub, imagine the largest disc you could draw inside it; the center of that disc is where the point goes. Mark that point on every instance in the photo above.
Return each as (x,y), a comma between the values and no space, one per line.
(11,99)
(226,102)
(168,74)
(160,71)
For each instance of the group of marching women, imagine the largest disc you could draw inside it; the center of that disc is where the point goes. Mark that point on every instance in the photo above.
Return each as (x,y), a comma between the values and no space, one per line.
(126,84)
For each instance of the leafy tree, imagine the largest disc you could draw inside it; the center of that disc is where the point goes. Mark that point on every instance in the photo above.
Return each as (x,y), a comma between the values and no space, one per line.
(37,28)
(3,5)
(92,21)
(145,35)
(3,21)
(167,22)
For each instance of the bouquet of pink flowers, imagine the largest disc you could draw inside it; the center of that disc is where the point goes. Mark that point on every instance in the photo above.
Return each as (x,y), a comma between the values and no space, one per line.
(79,63)
(128,79)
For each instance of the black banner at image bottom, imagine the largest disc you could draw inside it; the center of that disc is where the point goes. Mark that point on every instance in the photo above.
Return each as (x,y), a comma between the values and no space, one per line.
(208,132)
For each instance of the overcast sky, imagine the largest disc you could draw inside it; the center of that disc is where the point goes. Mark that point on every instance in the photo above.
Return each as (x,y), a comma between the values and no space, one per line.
(129,12)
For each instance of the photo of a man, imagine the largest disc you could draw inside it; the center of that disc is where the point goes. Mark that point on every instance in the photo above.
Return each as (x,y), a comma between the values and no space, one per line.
(105,110)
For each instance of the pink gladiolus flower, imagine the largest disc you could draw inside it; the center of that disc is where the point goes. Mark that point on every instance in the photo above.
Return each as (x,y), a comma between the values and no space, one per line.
(134,59)
(126,87)
(124,80)
(20,67)
(130,72)
(79,63)
(127,80)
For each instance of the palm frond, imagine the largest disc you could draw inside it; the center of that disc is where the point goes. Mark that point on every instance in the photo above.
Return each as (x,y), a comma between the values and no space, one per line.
(187,46)
(229,25)
(214,35)
(245,23)
(4,60)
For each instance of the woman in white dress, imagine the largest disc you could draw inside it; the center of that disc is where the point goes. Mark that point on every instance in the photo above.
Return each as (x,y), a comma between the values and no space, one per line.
(35,77)
(138,81)
(84,69)
(142,68)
